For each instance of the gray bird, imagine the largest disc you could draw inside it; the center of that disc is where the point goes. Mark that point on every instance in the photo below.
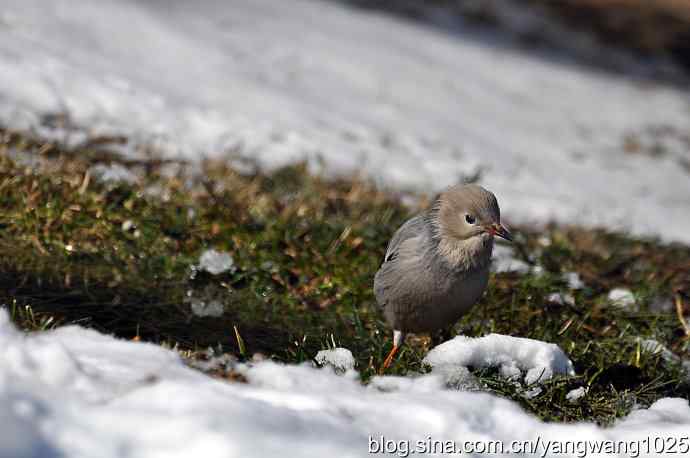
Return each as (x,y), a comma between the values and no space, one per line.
(437,264)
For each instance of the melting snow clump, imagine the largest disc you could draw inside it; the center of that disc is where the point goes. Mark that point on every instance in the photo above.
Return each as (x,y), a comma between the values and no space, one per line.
(207,301)
(656,347)
(575,395)
(561,299)
(504,260)
(203,308)
(113,173)
(216,262)
(340,359)
(512,355)
(532,393)
(573,279)
(622,297)
(459,378)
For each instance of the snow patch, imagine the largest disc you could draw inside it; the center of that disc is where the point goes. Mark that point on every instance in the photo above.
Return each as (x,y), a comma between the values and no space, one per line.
(512,355)
(113,174)
(504,260)
(427,383)
(655,347)
(573,280)
(409,105)
(340,359)
(216,262)
(673,411)
(75,392)
(561,298)
(622,297)
(532,392)
(207,301)
(575,395)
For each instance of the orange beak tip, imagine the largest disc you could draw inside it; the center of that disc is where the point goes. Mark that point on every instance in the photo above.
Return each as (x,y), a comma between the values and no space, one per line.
(500,231)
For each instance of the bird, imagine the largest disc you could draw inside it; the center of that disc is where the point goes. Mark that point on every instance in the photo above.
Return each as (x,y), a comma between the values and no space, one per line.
(436,265)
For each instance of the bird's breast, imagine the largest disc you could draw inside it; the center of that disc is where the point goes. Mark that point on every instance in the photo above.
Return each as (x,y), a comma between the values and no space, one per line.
(433,300)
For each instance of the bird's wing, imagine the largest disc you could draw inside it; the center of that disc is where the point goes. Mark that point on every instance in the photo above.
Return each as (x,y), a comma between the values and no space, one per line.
(413,227)
(401,262)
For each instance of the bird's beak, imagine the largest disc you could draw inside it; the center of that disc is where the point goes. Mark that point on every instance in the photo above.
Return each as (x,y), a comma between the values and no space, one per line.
(499,230)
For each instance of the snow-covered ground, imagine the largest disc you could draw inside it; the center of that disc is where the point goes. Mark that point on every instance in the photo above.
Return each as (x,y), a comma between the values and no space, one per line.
(78,393)
(512,355)
(279,81)
(412,106)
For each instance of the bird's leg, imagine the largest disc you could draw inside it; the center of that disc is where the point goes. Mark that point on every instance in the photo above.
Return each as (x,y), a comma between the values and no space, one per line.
(389,359)
(398,339)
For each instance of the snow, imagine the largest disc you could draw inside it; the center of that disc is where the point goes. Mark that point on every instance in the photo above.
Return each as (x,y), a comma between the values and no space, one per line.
(340,359)
(278,82)
(207,300)
(622,297)
(672,410)
(561,298)
(504,260)
(512,355)
(113,173)
(216,262)
(411,106)
(655,347)
(409,384)
(532,393)
(573,280)
(574,396)
(78,393)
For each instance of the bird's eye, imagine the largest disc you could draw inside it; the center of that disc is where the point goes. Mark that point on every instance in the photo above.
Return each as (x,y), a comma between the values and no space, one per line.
(470,219)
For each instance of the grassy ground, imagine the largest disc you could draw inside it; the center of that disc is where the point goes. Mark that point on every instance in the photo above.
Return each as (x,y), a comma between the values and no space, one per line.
(120,257)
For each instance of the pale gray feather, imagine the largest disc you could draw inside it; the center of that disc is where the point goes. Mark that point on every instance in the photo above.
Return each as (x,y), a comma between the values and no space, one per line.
(428,280)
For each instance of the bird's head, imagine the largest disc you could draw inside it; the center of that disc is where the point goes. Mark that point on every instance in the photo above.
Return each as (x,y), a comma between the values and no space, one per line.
(467,219)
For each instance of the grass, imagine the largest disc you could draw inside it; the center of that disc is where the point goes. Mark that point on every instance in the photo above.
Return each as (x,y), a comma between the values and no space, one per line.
(119,258)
